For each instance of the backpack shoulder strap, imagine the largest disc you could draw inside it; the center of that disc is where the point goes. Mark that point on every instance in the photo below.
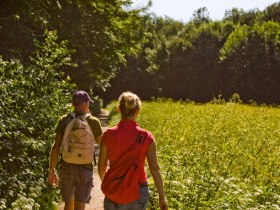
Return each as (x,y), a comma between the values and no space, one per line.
(84,117)
(73,114)
(68,128)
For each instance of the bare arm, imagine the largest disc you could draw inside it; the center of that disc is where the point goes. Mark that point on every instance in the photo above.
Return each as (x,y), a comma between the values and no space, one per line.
(55,152)
(102,162)
(54,157)
(155,171)
(97,139)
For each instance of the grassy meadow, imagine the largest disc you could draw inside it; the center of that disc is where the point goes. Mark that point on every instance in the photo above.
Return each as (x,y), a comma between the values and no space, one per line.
(215,156)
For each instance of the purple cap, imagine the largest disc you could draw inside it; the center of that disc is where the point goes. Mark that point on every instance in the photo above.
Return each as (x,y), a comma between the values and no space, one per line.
(80,97)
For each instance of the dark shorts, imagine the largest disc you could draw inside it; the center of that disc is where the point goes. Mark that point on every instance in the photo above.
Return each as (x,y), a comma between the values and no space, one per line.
(76,182)
(140,204)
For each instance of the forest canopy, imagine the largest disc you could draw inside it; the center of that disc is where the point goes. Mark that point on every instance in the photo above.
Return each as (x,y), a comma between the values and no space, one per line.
(204,59)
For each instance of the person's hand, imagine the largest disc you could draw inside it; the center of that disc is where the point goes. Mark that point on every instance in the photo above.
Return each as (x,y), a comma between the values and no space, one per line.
(163,204)
(53,178)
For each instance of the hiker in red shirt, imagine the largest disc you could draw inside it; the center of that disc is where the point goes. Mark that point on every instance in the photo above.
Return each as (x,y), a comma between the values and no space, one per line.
(126,146)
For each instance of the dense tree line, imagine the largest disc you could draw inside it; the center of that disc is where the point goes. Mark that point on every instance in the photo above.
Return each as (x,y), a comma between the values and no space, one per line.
(118,48)
(204,59)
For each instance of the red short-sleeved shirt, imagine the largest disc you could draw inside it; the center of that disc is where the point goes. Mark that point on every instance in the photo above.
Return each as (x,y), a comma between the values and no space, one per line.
(120,138)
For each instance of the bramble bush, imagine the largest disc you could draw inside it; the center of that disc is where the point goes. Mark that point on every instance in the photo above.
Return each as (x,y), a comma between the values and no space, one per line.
(33,95)
(215,156)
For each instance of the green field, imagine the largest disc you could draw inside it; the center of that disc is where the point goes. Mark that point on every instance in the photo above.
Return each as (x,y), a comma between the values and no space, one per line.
(215,156)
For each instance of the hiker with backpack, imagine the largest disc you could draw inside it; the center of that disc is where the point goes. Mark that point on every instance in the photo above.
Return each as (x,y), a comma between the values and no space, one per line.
(126,146)
(74,142)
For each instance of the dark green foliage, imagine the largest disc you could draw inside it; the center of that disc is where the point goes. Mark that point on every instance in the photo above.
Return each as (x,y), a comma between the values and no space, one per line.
(101,32)
(33,96)
(128,49)
(203,59)
(252,55)
(240,16)
(272,12)
(201,16)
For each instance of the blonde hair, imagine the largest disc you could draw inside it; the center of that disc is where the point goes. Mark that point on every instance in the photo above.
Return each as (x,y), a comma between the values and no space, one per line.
(129,104)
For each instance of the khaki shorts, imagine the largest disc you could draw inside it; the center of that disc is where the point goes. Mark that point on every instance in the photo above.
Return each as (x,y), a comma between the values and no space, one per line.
(75,182)
(140,204)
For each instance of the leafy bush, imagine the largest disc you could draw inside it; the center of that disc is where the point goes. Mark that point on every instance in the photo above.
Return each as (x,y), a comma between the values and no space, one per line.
(32,95)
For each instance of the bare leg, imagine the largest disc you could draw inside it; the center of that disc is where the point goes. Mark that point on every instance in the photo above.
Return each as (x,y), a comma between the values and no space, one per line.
(79,206)
(69,205)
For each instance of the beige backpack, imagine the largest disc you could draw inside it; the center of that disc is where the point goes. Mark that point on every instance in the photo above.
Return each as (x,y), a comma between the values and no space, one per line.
(78,141)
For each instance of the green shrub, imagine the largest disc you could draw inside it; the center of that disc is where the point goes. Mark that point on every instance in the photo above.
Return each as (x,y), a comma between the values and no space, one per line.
(32,96)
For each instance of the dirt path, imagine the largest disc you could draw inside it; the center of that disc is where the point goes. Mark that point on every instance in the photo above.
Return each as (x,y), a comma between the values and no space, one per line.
(97,196)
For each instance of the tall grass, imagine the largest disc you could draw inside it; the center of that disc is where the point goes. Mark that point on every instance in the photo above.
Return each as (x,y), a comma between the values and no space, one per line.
(215,156)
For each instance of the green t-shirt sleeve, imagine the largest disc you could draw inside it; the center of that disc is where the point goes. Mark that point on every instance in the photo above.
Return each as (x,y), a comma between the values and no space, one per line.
(58,129)
(95,125)
(62,123)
